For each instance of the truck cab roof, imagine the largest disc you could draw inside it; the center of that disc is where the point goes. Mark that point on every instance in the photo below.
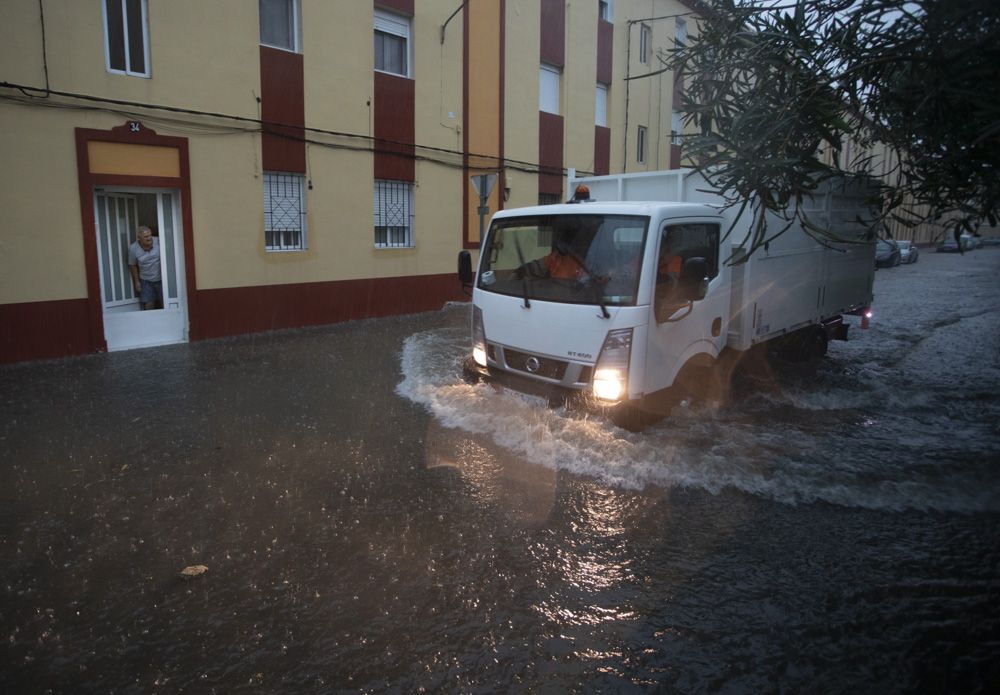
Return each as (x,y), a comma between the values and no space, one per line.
(651,208)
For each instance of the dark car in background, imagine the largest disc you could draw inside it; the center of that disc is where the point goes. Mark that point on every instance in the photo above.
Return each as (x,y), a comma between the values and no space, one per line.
(887,254)
(948,245)
(908,251)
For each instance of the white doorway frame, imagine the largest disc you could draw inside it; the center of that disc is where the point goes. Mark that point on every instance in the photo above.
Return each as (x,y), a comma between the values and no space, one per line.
(125,326)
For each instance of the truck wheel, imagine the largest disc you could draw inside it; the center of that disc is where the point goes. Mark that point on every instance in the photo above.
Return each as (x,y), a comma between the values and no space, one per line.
(815,344)
(630,418)
(470,374)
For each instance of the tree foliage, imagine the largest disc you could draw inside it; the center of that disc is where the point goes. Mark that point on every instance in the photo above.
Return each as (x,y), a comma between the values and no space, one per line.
(774,91)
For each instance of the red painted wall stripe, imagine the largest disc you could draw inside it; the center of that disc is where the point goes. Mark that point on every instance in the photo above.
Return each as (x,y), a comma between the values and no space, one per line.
(239,310)
(400,6)
(395,106)
(550,153)
(605,50)
(41,330)
(282,94)
(553,32)
(602,150)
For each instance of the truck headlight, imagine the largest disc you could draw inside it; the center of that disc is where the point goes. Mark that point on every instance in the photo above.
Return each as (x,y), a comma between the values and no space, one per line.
(478,337)
(611,372)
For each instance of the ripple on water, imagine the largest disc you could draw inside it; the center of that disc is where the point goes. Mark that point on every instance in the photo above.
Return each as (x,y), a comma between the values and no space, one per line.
(849,435)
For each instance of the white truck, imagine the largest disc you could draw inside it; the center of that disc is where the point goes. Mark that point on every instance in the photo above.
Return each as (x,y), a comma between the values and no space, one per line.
(633,299)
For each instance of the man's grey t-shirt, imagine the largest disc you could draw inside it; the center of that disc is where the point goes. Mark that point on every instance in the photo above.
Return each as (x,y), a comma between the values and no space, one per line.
(148,261)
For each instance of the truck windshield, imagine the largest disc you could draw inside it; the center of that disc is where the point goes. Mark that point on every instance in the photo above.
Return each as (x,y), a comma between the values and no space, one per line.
(579,259)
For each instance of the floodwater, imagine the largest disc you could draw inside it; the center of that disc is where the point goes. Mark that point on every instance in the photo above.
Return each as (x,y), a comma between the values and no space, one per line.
(371,523)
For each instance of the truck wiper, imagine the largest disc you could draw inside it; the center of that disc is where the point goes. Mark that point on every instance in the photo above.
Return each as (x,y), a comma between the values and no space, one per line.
(524,271)
(595,282)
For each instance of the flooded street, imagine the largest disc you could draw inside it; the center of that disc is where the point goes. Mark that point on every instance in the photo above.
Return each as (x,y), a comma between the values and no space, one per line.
(372,523)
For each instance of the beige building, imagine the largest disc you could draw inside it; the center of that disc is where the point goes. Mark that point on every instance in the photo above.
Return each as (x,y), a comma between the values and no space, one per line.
(299,161)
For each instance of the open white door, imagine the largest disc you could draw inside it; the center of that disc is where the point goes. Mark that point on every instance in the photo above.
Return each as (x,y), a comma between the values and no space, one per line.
(118,214)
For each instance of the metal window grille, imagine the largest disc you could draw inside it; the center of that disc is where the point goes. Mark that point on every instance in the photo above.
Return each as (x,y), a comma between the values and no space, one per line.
(549,198)
(284,212)
(393,214)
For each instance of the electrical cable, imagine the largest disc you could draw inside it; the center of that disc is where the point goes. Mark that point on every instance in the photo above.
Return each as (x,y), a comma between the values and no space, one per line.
(270,128)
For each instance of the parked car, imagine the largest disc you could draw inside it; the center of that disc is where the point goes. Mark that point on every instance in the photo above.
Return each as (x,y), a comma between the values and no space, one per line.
(991,241)
(908,251)
(948,245)
(886,254)
(970,242)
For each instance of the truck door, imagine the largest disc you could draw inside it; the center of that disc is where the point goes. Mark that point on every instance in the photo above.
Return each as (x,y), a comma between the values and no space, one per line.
(681,329)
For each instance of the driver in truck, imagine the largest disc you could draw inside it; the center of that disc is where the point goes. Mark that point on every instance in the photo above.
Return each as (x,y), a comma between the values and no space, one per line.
(561,262)
(566,259)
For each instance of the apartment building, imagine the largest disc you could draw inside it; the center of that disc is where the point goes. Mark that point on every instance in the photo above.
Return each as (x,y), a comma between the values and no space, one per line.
(300,162)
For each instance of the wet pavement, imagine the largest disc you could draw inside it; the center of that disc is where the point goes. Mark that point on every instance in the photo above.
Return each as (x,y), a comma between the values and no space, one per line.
(371,523)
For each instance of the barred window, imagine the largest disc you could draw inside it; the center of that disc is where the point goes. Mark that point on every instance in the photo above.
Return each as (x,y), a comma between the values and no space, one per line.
(393,214)
(549,198)
(284,212)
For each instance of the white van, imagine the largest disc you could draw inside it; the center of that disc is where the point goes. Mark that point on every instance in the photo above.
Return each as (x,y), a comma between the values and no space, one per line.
(639,295)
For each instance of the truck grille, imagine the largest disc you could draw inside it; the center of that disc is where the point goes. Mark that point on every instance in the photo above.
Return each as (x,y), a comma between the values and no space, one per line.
(548,368)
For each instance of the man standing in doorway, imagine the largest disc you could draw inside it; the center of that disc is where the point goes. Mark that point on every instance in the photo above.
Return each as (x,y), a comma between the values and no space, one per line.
(144,265)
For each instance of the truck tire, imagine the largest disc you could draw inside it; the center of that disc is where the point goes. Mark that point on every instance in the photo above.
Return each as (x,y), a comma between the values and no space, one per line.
(631,418)
(815,344)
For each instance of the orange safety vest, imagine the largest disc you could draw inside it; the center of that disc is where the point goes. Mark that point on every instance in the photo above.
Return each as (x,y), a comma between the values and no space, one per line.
(561,266)
(669,264)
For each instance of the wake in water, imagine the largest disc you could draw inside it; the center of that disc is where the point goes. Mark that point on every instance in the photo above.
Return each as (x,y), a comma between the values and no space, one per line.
(848,444)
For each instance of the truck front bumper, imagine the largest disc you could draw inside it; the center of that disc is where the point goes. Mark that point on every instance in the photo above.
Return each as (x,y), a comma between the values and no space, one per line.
(555,394)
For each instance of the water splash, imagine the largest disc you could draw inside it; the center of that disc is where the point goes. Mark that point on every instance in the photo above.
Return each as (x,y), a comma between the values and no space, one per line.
(847,445)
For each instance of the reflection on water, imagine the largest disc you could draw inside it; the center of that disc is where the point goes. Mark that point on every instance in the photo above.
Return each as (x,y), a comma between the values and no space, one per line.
(838,528)
(837,435)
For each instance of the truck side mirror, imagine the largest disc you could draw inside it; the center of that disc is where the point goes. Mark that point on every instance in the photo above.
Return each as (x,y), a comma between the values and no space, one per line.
(693,282)
(465,267)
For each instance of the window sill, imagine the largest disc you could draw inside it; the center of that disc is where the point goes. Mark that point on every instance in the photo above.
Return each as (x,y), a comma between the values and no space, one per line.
(394,74)
(282,48)
(125,73)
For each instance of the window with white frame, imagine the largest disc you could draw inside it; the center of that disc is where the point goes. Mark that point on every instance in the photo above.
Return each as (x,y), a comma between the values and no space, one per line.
(393,214)
(676,128)
(548,89)
(280,24)
(681,32)
(645,42)
(392,43)
(126,37)
(601,105)
(604,9)
(640,145)
(284,211)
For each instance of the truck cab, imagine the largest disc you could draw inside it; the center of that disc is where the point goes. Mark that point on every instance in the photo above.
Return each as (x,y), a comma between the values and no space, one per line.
(564,292)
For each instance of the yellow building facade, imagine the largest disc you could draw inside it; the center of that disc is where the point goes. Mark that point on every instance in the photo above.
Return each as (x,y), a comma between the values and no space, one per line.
(291,174)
